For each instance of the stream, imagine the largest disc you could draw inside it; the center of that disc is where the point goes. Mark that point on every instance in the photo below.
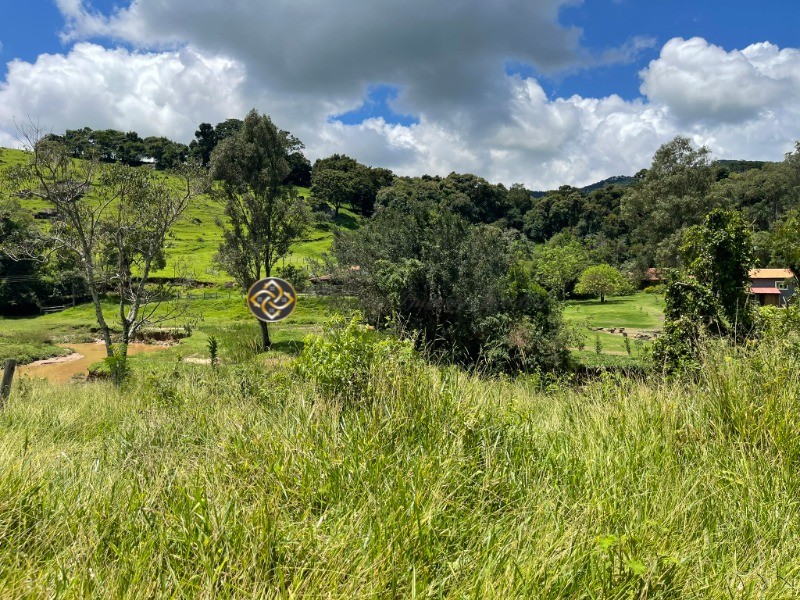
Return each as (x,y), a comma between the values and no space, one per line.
(61,369)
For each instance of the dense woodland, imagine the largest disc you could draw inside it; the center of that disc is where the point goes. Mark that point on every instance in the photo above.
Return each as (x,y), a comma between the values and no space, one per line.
(476,269)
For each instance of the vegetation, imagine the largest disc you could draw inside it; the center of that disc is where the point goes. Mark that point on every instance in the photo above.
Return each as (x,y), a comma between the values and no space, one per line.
(266,217)
(445,444)
(429,482)
(600,281)
(115,232)
(711,297)
(422,267)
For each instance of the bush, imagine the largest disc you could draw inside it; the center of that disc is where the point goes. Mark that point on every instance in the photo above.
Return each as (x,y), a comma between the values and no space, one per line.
(655,289)
(464,288)
(297,276)
(341,360)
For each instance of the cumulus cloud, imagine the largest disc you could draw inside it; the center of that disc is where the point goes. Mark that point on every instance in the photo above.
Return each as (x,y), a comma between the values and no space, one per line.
(701,81)
(163,93)
(203,61)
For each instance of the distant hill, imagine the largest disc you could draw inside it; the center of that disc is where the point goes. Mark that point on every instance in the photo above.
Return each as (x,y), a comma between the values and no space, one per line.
(724,168)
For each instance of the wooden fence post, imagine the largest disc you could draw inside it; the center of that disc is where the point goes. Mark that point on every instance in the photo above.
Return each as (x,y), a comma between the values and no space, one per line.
(8,376)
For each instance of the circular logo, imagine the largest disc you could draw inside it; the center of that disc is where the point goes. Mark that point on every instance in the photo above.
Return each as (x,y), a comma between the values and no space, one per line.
(271,299)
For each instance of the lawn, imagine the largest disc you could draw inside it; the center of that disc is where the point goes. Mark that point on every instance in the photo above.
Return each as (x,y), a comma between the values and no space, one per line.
(639,314)
(216,312)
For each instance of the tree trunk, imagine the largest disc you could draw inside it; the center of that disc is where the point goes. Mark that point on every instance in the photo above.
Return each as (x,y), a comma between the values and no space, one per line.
(98,311)
(602,298)
(266,343)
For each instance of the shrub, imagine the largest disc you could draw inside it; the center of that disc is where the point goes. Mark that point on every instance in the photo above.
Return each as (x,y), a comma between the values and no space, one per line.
(297,276)
(341,360)
(464,288)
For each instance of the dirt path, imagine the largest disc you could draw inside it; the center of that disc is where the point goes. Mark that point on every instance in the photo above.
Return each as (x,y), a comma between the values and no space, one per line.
(62,368)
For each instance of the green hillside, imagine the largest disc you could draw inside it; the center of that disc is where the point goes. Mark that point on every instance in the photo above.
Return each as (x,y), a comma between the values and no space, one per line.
(196,237)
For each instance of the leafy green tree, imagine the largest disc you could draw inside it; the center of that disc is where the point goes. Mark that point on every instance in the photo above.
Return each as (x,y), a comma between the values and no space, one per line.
(670,196)
(335,187)
(460,285)
(226,129)
(166,153)
(474,198)
(299,170)
(21,267)
(601,281)
(362,182)
(558,267)
(265,215)
(710,298)
(204,143)
(785,242)
(719,255)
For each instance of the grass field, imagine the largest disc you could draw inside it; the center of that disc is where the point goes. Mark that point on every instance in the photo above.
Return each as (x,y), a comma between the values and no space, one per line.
(195,239)
(253,480)
(638,314)
(246,481)
(214,312)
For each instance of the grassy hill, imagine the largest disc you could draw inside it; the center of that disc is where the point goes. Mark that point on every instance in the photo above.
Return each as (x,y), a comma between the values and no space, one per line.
(196,237)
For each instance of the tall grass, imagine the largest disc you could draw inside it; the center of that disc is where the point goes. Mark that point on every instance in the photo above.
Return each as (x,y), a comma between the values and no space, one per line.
(237,482)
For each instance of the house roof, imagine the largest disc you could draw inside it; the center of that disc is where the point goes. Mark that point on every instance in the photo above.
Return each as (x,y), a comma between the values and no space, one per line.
(653,274)
(764,290)
(771,274)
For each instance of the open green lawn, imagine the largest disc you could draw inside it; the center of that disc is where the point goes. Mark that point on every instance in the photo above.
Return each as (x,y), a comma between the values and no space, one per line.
(214,312)
(639,314)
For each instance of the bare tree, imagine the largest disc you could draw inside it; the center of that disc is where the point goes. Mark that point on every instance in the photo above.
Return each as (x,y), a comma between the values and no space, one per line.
(115,220)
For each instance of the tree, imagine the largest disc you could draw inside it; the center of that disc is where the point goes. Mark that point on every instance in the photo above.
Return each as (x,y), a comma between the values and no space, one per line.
(20,265)
(670,196)
(711,297)
(204,143)
(265,215)
(226,129)
(786,241)
(558,266)
(601,280)
(166,153)
(427,269)
(115,230)
(300,170)
(142,207)
(332,186)
(719,255)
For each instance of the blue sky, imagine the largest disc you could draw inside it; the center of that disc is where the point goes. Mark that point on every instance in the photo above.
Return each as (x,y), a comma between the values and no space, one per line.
(541,92)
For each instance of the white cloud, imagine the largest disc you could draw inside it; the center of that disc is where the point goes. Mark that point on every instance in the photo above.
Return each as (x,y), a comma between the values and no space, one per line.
(700,81)
(204,61)
(167,93)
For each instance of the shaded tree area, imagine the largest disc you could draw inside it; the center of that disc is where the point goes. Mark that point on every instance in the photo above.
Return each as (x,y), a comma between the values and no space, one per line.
(340,180)
(32,275)
(462,287)
(112,146)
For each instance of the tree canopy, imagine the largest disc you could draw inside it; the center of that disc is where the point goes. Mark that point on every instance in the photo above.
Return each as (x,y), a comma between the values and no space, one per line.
(265,214)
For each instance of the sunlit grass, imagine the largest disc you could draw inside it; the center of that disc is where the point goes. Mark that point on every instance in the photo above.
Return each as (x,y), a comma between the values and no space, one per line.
(242,482)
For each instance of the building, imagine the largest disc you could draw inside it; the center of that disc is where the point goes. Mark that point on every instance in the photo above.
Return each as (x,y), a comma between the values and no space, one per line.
(772,287)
